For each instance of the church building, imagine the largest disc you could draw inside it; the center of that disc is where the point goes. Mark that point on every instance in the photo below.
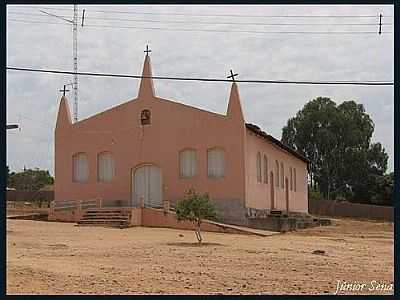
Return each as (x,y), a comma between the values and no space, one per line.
(151,150)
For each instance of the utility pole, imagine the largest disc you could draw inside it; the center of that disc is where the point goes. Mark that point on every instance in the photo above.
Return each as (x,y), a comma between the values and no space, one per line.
(74,23)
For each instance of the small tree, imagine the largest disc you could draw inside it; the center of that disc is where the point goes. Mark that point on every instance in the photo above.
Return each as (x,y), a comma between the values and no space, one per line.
(194,207)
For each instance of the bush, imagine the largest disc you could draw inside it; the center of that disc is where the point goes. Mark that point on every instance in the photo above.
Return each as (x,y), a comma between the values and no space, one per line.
(314,194)
(195,208)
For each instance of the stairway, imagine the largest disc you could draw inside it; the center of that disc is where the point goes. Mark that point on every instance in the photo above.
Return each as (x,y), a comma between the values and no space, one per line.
(106,217)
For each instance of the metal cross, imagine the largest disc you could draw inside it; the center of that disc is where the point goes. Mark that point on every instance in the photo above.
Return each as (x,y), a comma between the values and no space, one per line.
(232,76)
(64,90)
(12,126)
(147,50)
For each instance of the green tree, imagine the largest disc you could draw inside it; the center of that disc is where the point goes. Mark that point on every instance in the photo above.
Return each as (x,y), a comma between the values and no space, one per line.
(195,208)
(337,140)
(30,180)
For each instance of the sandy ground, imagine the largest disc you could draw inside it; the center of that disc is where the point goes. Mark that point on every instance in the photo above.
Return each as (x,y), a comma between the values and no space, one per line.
(60,258)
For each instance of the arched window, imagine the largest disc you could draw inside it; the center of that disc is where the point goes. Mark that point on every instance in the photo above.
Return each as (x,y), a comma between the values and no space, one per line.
(259,179)
(291,178)
(294,175)
(187,163)
(265,169)
(277,173)
(105,166)
(80,167)
(282,176)
(145,117)
(216,162)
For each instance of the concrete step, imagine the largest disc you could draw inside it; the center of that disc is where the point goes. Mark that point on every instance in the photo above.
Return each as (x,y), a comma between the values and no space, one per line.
(104,211)
(108,212)
(105,225)
(103,220)
(106,215)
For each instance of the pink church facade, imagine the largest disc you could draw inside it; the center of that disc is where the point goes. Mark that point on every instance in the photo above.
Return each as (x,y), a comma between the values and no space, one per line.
(153,150)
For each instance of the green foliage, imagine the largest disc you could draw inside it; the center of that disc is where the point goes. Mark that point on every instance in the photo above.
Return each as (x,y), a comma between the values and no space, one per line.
(314,194)
(195,208)
(337,140)
(29,180)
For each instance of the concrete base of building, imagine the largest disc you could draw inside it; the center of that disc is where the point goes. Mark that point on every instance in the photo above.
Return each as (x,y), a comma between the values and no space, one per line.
(282,221)
(229,211)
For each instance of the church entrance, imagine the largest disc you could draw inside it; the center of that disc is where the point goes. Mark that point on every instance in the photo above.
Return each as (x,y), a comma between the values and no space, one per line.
(147,185)
(272,185)
(287,194)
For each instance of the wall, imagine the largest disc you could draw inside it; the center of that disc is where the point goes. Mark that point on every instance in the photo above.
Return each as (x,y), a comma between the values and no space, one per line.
(30,196)
(231,211)
(174,126)
(157,218)
(258,194)
(353,210)
(72,215)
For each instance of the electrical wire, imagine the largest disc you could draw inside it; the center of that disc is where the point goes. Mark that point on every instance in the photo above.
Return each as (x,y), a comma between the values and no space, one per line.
(216,15)
(210,22)
(307,82)
(210,30)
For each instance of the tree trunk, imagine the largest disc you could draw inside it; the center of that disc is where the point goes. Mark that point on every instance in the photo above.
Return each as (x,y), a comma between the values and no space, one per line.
(198,232)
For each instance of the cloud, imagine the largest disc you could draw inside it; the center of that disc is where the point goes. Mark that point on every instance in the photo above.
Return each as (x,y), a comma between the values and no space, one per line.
(33,98)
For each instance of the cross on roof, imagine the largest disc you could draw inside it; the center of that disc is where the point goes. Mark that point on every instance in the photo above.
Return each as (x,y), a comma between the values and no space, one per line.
(232,76)
(147,50)
(64,90)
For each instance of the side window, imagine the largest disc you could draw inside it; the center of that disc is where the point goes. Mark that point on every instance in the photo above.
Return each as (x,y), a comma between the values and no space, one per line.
(105,166)
(295,178)
(145,117)
(282,176)
(216,162)
(80,166)
(187,163)
(291,178)
(265,169)
(277,173)
(258,165)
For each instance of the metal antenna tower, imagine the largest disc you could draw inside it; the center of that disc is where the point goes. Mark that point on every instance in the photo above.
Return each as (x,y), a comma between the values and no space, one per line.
(74,23)
(75,55)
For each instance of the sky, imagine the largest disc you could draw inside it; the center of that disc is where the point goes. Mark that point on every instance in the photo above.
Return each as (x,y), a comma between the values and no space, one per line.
(195,41)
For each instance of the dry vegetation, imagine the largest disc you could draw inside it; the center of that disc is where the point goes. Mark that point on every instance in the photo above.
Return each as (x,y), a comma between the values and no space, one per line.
(60,258)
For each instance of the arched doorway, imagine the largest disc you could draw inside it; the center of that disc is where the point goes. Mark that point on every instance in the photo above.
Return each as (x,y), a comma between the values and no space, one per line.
(287,194)
(272,184)
(147,185)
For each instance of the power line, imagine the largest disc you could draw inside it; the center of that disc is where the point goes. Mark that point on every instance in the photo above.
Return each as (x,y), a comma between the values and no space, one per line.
(36,22)
(382,83)
(214,23)
(212,30)
(218,15)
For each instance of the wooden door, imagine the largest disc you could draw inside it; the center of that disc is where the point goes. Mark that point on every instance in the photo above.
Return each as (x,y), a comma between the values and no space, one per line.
(272,185)
(147,185)
(287,194)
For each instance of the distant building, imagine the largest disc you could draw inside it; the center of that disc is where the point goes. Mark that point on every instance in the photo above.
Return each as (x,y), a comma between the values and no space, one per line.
(154,149)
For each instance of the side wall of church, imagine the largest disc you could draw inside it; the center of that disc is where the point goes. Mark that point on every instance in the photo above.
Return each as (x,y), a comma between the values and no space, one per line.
(258,194)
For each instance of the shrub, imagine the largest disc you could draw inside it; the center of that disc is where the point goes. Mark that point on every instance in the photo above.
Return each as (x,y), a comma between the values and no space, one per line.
(195,208)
